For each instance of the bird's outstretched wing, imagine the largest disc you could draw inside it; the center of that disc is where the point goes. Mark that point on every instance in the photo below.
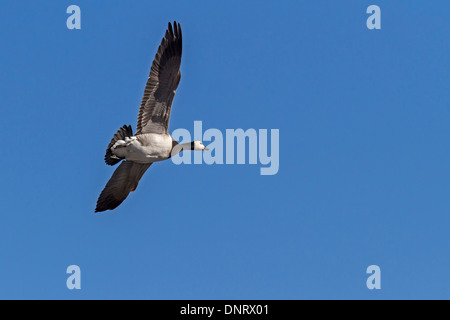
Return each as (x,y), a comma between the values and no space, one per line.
(154,112)
(124,180)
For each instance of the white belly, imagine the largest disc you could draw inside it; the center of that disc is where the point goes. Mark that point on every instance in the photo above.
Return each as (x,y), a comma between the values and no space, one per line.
(146,148)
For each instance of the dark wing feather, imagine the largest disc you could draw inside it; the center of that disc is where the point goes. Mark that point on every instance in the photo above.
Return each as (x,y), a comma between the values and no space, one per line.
(154,112)
(124,180)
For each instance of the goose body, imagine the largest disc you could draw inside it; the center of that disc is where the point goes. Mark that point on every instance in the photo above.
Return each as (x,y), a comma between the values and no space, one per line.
(144,148)
(152,141)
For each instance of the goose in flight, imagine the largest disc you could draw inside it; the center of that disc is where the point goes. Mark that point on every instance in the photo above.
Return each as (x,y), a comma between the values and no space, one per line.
(152,141)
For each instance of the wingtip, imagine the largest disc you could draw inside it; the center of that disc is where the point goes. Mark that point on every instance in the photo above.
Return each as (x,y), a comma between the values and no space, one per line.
(170,29)
(100,205)
(100,210)
(175,30)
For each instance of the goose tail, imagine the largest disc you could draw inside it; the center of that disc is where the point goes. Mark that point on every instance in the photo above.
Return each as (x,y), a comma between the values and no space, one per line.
(124,132)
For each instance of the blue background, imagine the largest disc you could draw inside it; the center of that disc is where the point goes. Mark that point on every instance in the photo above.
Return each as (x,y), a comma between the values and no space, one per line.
(364,151)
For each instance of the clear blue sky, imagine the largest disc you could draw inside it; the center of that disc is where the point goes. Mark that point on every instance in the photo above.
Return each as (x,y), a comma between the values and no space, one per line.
(364,120)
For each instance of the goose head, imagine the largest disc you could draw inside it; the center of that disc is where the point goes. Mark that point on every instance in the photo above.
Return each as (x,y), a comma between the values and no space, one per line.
(198,145)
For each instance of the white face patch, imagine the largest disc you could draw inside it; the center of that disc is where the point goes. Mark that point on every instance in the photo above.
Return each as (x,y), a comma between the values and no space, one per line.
(198,145)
